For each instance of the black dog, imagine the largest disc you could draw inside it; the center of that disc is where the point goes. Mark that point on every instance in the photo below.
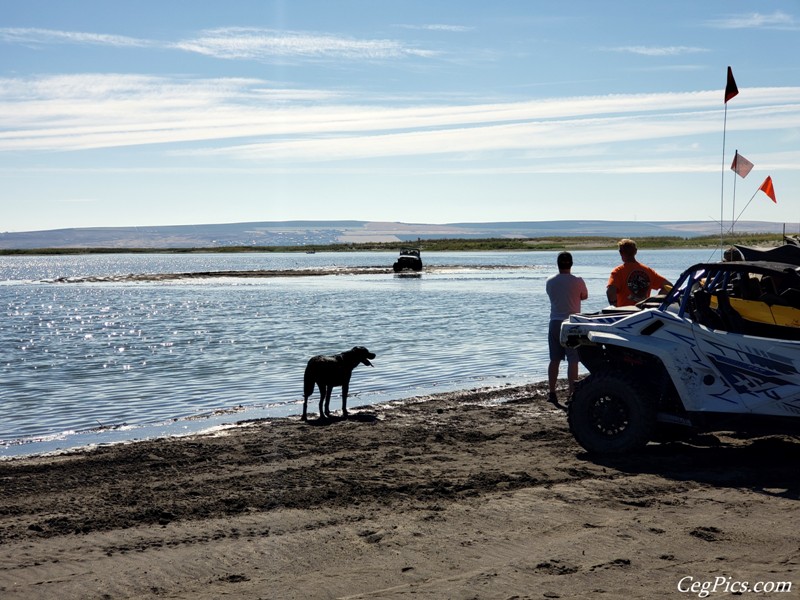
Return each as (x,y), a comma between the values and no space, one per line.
(329,372)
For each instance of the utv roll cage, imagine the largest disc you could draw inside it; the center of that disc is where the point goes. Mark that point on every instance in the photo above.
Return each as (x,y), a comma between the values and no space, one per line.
(753,298)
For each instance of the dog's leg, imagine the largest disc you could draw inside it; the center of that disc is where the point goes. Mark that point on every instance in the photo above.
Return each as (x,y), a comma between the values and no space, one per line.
(345,389)
(328,401)
(308,389)
(323,389)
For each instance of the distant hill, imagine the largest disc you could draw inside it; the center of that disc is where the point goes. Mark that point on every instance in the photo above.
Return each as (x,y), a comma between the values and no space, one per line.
(299,233)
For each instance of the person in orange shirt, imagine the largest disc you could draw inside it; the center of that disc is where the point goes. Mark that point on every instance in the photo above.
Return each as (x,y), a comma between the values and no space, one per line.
(631,282)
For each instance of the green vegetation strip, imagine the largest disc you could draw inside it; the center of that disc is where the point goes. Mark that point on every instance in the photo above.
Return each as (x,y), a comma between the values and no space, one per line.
(444,245)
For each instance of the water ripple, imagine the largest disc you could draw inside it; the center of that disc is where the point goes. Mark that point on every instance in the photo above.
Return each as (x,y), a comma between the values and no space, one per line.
(79,356)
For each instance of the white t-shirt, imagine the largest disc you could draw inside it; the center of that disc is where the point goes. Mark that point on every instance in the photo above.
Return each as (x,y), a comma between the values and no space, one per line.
(566,292)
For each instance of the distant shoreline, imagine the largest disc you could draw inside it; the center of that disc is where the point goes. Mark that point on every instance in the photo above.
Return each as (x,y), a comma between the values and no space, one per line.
(435,245)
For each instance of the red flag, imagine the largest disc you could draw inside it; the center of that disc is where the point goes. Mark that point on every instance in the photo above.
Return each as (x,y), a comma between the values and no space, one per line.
(767,188)
(730,89)
(740,165)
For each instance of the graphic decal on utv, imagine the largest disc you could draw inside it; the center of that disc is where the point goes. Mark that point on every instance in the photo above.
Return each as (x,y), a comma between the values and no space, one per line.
(753,371)
(767,360)
(748,378)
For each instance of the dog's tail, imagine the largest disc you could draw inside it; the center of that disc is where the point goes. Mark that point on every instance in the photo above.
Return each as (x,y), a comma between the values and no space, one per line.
(308,382)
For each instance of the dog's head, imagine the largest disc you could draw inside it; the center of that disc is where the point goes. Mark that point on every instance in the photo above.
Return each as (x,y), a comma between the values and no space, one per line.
(362,355)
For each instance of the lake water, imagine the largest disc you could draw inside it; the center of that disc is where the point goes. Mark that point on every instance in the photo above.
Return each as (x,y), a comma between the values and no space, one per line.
(90,363)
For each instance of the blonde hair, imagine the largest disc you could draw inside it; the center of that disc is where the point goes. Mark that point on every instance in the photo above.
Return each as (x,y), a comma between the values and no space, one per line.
(627,247)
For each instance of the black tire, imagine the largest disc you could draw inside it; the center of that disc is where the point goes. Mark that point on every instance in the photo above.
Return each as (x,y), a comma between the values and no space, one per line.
(611,414)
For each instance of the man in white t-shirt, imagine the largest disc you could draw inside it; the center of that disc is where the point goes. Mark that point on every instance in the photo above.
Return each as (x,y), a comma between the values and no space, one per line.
(566,291)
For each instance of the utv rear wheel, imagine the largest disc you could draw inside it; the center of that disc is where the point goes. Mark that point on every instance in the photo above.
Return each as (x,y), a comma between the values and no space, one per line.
(611,414)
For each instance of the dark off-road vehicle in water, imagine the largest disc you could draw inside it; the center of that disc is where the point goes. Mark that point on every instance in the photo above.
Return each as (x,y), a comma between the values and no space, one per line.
(720,352)
(409,260)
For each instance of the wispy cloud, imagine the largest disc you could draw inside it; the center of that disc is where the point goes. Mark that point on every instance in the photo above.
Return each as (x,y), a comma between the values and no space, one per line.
(478,139)
(776,20)
(439,27)
(260,44)
(74,112)
(658,50)
(675,68)
(242,43)
(249,120)
(20,35)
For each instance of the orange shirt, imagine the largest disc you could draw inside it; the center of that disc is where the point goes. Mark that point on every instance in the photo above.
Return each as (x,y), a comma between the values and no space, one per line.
(634,282)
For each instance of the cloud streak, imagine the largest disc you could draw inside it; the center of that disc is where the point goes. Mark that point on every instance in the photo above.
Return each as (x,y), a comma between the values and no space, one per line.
(658,50)
(34,36)
(263,44)
(439,27)
(487,138)
(235,43)
(776,20)
(247,121)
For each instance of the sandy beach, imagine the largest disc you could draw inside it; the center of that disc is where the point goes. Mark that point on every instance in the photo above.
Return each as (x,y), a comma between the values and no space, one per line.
(475,494)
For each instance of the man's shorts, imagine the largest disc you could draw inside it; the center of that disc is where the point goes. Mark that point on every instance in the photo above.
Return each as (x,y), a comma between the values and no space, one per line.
(557,351)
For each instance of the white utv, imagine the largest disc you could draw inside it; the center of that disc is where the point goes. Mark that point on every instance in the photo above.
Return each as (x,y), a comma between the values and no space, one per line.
(720,352)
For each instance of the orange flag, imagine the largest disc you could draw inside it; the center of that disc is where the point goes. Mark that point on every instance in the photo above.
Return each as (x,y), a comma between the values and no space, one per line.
(767,188)
(730,89)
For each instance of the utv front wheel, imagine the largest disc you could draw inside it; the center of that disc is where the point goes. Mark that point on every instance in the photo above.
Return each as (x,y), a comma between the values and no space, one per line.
(610,414)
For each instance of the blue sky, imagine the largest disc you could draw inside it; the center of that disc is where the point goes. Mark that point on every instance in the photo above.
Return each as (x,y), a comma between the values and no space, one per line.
(198,111)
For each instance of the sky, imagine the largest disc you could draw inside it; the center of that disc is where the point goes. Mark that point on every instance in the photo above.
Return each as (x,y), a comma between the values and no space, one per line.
(179,112)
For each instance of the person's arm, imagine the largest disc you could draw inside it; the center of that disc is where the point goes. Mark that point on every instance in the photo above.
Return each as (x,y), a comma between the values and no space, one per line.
(584,290)
(665,285)
(611,287)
